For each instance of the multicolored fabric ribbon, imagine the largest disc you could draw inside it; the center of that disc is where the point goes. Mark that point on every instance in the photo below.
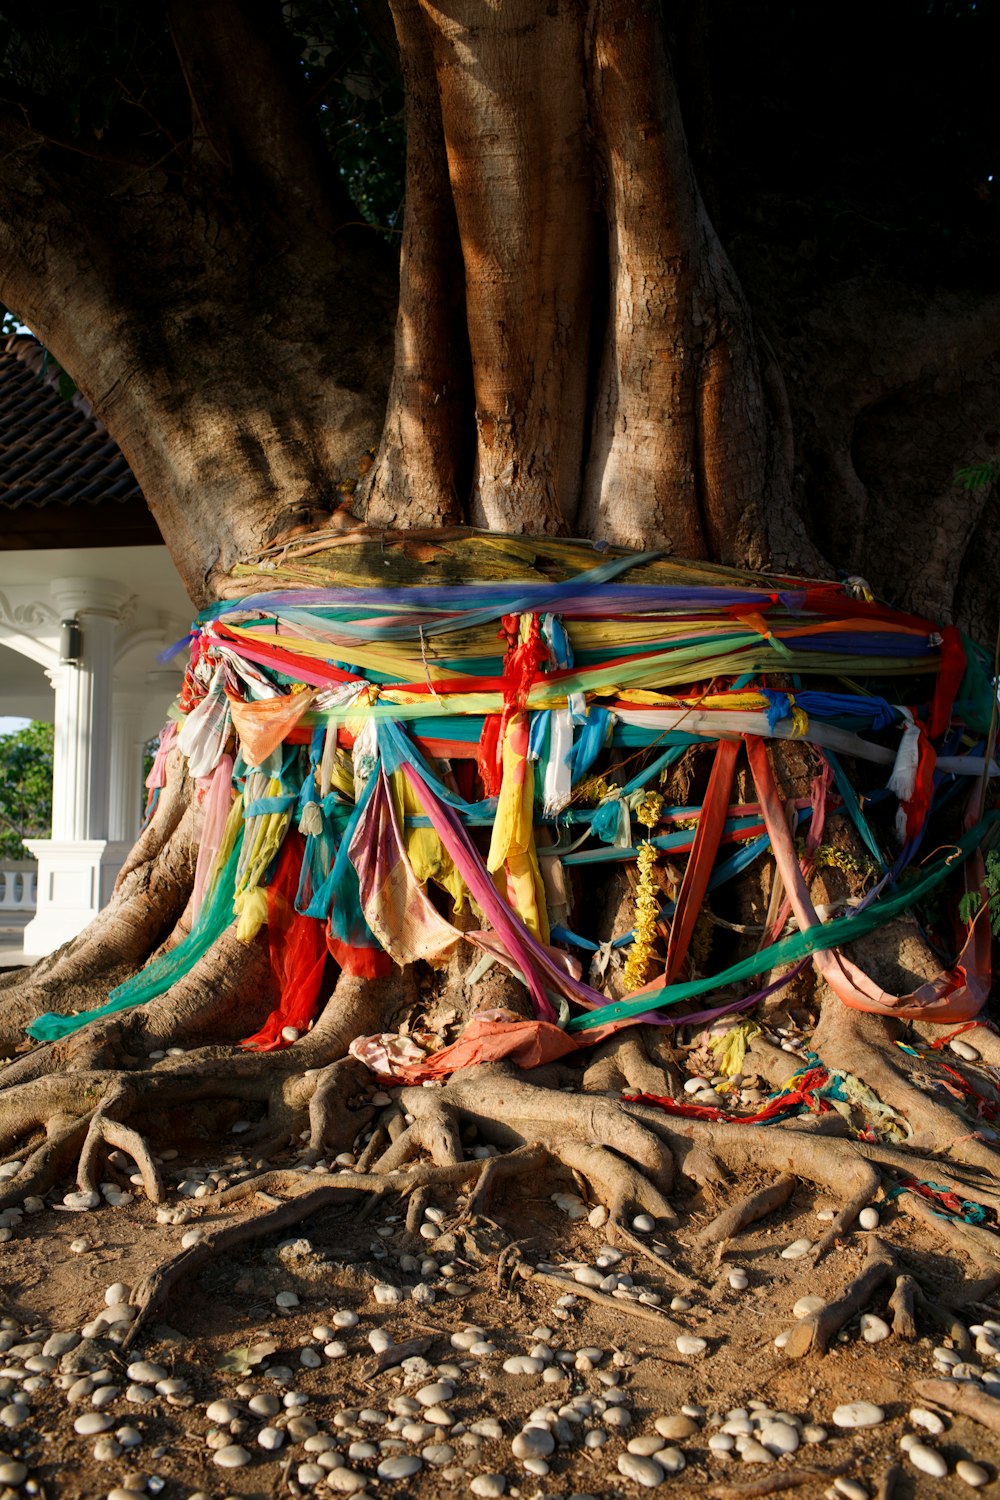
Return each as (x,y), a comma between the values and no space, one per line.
(356,737)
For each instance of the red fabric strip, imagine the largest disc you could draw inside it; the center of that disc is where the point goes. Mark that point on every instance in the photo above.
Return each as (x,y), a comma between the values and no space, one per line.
(705,847)
(297,951)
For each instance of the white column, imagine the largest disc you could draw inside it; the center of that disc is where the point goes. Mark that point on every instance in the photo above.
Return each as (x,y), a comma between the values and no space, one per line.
(81,772)
(125,809)
(78,864)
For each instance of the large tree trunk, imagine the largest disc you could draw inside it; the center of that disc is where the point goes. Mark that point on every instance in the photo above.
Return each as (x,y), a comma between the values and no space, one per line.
(573,354)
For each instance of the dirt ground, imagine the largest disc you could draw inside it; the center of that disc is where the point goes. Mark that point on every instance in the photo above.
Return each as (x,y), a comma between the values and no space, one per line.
(334,1261)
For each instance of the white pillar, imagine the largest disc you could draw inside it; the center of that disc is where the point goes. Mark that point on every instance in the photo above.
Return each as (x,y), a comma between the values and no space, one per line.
(77,866)
(125,810)
(81,772)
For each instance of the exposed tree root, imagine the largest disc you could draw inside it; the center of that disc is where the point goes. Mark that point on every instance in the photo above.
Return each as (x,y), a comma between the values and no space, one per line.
(901,1305)
(148,903)
(853,1042)
(773,1484)
(819,1329)
(67,1104)
(622,1065)
(328,1192)
(747,1211)
(980,1245)
(627,1168)
(963,1398)
(105,1131)
(620,1306)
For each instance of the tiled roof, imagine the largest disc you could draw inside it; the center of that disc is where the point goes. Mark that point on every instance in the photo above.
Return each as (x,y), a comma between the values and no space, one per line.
(53,452)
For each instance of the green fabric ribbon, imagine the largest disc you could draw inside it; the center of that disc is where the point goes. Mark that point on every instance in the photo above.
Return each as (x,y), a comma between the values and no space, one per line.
(797,945)
(214,917)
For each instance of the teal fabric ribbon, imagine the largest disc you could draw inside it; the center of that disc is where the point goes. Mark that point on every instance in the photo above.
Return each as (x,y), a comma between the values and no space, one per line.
(156,978)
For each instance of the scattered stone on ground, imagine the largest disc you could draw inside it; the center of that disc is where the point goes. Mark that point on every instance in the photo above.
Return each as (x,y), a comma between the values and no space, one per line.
(271,1372)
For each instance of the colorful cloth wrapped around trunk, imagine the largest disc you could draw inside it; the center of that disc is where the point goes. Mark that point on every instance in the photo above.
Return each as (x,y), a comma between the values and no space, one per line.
(394,753)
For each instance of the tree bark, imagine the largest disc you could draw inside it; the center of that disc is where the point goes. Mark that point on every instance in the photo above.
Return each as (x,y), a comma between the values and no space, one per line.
(224,316)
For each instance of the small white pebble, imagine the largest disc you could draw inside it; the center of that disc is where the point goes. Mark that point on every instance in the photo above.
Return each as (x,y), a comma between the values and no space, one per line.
(928,1460)
(645,1471)
(873,1329)
(643,1224)
(738,1280)
(688,1343)
(779,1437)
(488,1486)
(82,1202)
(400,1466)
(868,1218)
(974,1475)
(232,1456)
(807,1305)
(928,1420)
(222,1411)
(796,1250)
(117,1292)
(851,1489)
(92,1422)
(286,1299)
(858,1414)
(434,1394)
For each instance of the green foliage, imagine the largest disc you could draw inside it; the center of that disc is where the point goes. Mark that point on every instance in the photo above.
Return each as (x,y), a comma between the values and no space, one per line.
(979,476)
(972,901)
(25,788)
(353,79)
(104,76)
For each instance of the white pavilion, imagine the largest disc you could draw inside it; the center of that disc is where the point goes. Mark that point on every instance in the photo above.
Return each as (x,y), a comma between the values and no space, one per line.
(89,597)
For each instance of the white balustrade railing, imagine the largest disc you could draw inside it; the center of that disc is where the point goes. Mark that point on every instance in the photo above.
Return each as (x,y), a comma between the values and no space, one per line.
(18,889)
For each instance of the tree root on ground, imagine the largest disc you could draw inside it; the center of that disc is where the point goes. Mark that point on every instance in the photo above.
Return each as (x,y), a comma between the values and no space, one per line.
(773,1484)
(71,1102)
(853,1042)
(901,1306)
(817,1331)
(620,1306)
(622,1065)
(747,1211)
(327,1192)
(148,904)
(963,1398)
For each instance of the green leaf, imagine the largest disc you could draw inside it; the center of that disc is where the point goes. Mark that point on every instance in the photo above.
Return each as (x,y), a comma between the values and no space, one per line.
(239,1361)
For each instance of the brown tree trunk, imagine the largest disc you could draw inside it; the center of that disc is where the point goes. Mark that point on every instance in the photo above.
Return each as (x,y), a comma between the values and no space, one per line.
(222,310)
